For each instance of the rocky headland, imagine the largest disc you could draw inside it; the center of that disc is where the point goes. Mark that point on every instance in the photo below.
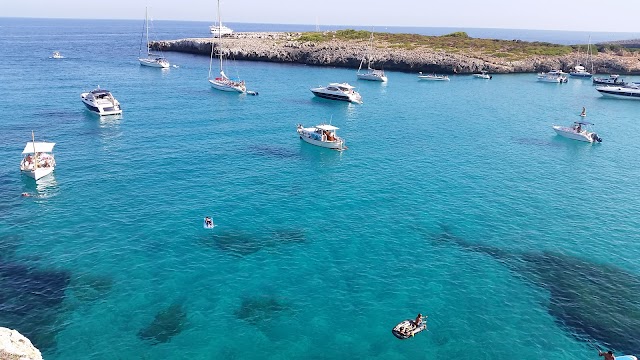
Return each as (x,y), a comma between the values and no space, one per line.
(455,53)
(14,346)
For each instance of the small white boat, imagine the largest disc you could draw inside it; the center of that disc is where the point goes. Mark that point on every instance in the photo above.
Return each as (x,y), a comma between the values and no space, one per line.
(611,80)
(38,160)
(553,76)
(580,71)
(407,329)
(322,135)
(338,91)
(101,102)
(56,55)
(220,30)
(482,75)
(581,131)
(151,60)
(432,77)
(371,74)
(620,92)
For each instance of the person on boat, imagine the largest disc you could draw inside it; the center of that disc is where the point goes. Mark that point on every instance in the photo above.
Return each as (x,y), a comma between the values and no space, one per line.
(607,355)
(584,112)
(418,321)
(208,221)
(579,128)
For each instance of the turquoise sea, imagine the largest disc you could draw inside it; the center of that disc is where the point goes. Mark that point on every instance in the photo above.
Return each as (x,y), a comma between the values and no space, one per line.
(454,199)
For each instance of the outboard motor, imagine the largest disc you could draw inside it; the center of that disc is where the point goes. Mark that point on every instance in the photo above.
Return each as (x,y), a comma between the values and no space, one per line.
(595,137)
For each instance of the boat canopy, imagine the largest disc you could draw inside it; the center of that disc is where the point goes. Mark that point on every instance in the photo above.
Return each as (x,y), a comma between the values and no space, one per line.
(100,91)
(344,85)
(583,123)
(327,127)
(44,147)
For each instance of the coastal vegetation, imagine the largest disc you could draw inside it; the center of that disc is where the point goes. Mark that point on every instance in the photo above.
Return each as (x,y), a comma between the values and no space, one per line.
(454,42)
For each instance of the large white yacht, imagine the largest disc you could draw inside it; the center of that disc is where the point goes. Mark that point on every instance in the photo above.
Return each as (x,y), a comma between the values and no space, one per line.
(38,160)
(620,92)
(220,30)
(101,102)
(322,135)
(581,131)
(553,76)
(338,91)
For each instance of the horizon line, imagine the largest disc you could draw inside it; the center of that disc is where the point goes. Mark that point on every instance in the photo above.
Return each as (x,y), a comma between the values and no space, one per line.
(332,25)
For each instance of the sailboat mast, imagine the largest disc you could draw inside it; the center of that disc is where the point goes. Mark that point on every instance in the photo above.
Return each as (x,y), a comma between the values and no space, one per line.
(589,51)
(220,35)
(35,155)
(146,24)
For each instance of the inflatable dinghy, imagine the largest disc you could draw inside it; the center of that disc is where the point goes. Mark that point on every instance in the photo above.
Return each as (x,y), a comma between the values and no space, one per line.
(407,329)
(209,224)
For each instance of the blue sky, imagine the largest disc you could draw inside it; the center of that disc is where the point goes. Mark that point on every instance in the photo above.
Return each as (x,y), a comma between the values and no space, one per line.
(579,15)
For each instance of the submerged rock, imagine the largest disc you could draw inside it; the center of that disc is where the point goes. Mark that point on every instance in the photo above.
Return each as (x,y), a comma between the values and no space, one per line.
(14,346)
(259,308)
(167,323)
(31,300)
(595,301)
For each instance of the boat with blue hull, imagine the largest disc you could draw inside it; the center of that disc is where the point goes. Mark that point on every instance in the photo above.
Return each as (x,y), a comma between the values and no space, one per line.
(338,91)
(101,102)
(620,92)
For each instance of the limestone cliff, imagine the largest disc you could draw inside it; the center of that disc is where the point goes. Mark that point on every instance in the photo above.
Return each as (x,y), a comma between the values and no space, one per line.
(408,57)
(14,346)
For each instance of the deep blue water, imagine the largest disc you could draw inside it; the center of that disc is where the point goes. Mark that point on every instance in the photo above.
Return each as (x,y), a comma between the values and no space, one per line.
(454,199)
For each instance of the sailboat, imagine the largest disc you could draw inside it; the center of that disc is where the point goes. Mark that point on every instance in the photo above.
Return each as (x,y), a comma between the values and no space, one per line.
(223,82)
(371,74)
(38,161)
(579,70)
(151,60)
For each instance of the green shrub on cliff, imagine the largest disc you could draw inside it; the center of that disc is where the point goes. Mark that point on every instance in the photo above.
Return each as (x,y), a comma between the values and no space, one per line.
(457,34)
(457,42)
(313,37)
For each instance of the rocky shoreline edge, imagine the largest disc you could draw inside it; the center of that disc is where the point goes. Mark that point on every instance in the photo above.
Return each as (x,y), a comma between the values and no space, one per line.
(293,48)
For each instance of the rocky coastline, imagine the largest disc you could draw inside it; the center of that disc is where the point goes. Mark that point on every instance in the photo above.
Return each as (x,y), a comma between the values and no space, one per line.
(14,346)
(292,48)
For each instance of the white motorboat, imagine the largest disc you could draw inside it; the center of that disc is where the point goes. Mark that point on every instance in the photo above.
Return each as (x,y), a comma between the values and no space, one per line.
(580,71)
(371,74)
(611,80)
(38,160)
(322,135)
(223,82)
(553,76)
(620,92)
(338,91)
(151,60)
(482,75)
(581,131)
(432,77)
(220,30)
(56,55)
(101,102)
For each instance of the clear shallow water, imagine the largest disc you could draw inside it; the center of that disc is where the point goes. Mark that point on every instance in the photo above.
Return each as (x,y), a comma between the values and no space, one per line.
(318,254)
